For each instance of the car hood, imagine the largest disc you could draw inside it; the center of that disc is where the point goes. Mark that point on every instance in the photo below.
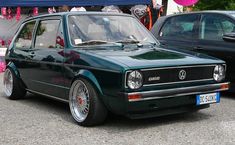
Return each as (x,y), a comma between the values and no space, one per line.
(153,57)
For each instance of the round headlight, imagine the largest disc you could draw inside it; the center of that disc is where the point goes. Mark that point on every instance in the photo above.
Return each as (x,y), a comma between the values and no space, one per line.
(135,80)
(219,73)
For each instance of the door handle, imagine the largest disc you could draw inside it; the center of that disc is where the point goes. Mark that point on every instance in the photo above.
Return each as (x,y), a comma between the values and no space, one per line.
(163,44)
(32,54)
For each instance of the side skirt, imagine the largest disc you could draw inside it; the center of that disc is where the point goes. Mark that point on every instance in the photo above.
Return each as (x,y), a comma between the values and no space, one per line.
(48,96)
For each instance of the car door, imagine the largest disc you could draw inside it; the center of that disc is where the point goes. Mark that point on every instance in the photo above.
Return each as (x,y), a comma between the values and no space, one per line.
(22,45)
(47,76)
(179,31)
(210,41)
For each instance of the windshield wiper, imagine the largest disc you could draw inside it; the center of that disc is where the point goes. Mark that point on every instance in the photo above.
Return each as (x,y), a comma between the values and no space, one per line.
(128,41)
(92,42)
(139,43)
(133,41)
(98,42)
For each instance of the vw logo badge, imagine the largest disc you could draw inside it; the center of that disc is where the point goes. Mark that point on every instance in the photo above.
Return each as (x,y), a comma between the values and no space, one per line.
(182,75)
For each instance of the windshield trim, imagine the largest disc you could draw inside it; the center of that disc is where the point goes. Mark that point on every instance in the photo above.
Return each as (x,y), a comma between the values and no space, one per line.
(105,14)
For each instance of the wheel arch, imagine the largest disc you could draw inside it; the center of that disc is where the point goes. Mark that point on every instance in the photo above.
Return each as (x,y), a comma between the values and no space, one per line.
(12,66)
(100,109)
(89,76)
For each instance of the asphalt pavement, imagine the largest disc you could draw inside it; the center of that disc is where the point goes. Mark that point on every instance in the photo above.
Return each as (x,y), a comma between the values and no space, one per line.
(36,120)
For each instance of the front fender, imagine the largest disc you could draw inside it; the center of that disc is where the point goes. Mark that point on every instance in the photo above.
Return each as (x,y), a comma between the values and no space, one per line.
(12,66)
(91,78)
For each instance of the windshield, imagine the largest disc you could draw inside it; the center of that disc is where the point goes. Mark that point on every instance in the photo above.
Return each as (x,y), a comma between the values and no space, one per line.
(110,29)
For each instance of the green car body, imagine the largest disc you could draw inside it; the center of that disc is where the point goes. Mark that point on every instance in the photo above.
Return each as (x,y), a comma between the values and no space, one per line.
(51,72)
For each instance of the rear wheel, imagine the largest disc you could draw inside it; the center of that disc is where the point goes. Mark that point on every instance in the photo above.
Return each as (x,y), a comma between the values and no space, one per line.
(12,86)
(85,106)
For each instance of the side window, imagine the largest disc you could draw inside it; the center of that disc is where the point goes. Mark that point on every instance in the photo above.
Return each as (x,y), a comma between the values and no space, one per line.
(228,26)
(180,27)
(213,27)
(48,34)
(24,39)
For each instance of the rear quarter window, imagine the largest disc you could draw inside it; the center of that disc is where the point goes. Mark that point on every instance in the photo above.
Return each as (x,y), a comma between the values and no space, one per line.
(24,38)
(214,26)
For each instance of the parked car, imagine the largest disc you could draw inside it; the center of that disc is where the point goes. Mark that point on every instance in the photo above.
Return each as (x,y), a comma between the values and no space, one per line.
(100,62)
(209,32)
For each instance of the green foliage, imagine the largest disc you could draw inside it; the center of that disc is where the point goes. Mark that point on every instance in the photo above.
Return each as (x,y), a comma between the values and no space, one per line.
(231,6)
(215,5)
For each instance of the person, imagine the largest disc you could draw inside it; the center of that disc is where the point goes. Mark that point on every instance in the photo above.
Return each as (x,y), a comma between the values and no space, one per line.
(189,9)
(64,8)
(157,11)
(112,9)
(75,9)
(143,13)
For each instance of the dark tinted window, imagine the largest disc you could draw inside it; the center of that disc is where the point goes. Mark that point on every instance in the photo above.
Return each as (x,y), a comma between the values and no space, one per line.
(46,35)
(214,26)
(180,27)
(24,39)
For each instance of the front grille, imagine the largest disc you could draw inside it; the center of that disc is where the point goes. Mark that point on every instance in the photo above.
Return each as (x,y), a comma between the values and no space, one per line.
(171,75)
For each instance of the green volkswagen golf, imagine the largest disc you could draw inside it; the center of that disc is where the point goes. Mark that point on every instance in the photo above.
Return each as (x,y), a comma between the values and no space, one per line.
(105,62)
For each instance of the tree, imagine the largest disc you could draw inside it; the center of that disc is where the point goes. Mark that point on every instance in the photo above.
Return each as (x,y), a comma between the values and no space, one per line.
(215,5)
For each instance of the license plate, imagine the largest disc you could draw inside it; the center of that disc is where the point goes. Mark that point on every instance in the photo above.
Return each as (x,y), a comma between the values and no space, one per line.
(208,98)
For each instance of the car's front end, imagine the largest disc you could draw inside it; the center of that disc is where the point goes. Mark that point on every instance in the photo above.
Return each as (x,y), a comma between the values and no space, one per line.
(158,82)
(144,80)
(173,90)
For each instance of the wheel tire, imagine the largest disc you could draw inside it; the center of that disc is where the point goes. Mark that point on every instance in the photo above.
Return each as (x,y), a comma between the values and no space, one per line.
(13,88)
(85,106)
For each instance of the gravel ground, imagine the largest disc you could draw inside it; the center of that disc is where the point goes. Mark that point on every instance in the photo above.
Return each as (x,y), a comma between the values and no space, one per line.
(38,120)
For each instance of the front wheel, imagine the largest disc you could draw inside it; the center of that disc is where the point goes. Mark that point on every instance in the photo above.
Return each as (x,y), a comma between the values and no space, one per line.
(13,88)
(85,106)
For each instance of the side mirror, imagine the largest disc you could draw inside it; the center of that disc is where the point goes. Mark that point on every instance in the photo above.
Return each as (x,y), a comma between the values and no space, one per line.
(229,37)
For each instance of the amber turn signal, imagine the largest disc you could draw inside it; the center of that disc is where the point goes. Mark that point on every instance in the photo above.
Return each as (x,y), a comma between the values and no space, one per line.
(224,86)
(132,97)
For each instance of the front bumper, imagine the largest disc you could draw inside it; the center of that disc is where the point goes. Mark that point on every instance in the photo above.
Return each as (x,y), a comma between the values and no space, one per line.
(168,101)
(176,92)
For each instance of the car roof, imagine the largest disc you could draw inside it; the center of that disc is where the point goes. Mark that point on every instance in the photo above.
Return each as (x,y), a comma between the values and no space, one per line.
(162,19)
(77,13)
(203,12)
